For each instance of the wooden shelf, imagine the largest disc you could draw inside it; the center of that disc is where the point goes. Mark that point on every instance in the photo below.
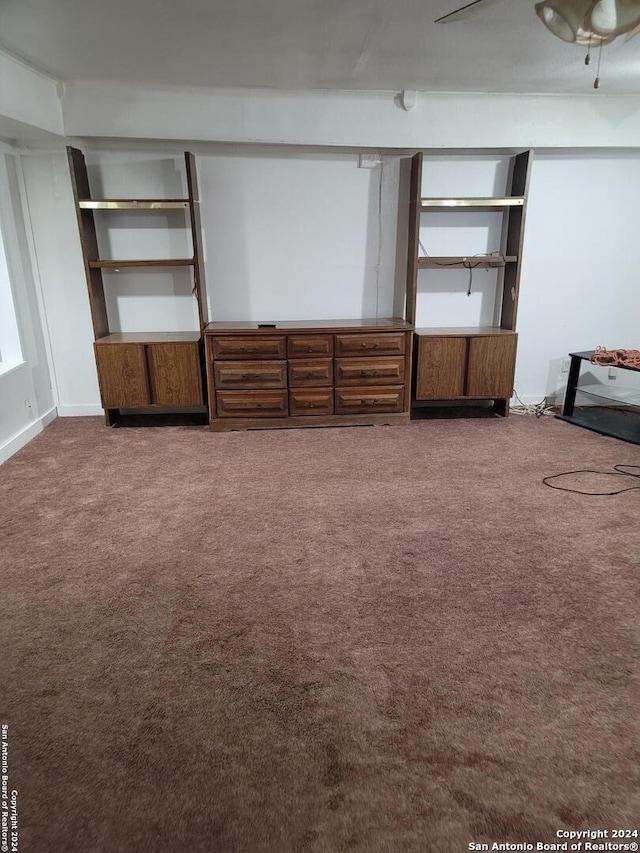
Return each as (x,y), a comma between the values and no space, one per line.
(444,204)
(158,262)
(134,204)
(462,331)
(467,261)
(149,338)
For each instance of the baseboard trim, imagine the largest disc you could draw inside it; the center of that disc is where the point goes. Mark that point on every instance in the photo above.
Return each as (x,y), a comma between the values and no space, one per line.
(22,438)
(86,411)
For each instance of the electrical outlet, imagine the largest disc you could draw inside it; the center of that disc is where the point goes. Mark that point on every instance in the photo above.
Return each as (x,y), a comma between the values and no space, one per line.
(28,406)
(613,373)
(565,365)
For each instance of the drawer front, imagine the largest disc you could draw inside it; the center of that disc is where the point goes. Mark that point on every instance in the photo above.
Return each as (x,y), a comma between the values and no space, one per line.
(250,374)
(370,371)
(371,343)
(309,346)
(318,371)
(240,347)
(316,402)
(351,401)
(252,404)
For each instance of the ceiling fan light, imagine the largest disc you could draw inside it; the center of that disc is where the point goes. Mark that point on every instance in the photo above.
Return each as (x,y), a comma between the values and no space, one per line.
(569,20)
(609,18)
(555,21)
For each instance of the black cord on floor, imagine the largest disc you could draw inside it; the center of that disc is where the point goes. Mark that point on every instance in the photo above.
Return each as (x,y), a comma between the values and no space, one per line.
(615,473)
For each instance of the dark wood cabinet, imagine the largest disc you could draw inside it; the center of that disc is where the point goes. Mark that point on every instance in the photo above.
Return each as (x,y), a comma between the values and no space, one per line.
(367,382)
(476,365)
(135,375)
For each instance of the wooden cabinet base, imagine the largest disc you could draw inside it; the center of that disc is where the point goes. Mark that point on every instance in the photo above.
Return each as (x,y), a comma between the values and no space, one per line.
(465,365)
(228,424)
(135,373)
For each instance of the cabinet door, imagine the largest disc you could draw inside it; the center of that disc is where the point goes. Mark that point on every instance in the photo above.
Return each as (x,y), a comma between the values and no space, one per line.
(491,366)
(174,374)
(122,372)
(441,368)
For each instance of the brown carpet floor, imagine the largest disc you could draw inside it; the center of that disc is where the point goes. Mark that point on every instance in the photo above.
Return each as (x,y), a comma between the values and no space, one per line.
(365,639)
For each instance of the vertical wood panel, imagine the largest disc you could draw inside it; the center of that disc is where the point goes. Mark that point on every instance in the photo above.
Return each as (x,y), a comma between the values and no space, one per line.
(196,236)
(122,372)
(174,374)
(89,242)
(415,196)
(491,366)
(513,239)
(441,367)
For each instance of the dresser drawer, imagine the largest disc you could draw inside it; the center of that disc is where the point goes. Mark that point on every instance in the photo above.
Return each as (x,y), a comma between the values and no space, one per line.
(370,371)
(351,401)
(316,371)
(311,402)
(305,346)
(378,343)
(250,374)
(244,347)
(252,404)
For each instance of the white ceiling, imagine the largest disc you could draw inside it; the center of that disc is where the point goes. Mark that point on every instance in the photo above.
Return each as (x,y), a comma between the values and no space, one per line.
(386,45)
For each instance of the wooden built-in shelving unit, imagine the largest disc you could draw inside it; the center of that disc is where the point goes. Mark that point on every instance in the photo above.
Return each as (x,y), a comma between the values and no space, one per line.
(156,370)
(477,363)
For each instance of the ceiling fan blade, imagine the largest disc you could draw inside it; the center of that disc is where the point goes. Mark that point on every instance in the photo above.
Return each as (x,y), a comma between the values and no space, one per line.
(459,13)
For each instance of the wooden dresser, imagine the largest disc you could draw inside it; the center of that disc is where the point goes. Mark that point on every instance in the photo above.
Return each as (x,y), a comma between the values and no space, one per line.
(317,373)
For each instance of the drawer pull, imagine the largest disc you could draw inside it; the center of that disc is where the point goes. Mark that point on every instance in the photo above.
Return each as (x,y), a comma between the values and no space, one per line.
(365,345)
(370,402)
(369,372)
(250,377)
(248,349)
(311,349)
(258,405)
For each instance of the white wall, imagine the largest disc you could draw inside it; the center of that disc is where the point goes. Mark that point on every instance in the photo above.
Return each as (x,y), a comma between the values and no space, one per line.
(361,119)
(28,97)
(295,234)
(60,270)
(579,286)
(26,398)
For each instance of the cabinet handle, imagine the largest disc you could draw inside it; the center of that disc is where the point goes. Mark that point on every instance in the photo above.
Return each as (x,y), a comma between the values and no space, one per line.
(250,377)
(310,349)
(369,372)
(248,349)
